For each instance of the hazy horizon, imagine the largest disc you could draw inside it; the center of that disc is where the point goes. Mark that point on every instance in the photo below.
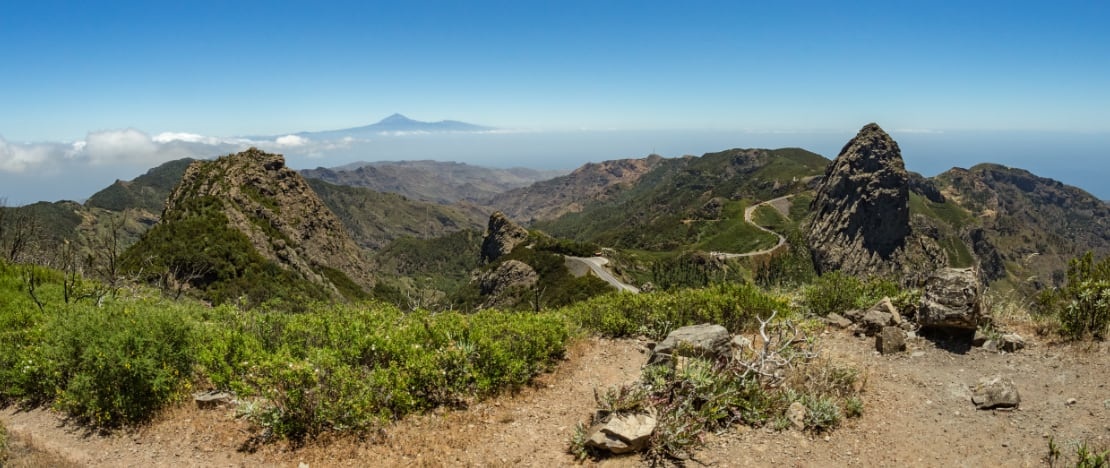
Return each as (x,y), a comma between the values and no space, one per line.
(928,153)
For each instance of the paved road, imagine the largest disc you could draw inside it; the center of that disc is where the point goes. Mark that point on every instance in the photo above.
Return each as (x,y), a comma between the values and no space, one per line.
(748,218)
(597,265)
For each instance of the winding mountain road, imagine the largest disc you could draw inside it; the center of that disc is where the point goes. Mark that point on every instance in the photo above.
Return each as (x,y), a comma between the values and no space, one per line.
(597,265)
(748,218)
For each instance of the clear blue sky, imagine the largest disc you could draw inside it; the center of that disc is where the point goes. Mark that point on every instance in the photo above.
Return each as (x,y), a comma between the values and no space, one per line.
(238,67)
(228,68)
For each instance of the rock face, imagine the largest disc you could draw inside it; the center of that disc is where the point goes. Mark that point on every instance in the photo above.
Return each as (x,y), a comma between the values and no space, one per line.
(510,274)
(951,300)
(502,236)
(276,209)
(861,211)
(995,392)
(705,341)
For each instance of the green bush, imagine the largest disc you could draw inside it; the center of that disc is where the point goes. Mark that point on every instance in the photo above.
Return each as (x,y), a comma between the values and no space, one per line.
(118,364)
(837,292)
(1082,306)
(734,306)
(353,367)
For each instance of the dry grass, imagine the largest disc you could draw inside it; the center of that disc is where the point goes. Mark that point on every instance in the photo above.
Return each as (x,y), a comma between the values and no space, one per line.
(23,452)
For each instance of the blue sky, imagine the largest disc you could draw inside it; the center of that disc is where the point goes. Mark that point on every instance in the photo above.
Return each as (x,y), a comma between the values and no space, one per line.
(221,69)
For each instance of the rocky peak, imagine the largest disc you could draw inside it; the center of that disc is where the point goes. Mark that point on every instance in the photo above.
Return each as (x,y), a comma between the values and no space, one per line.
(861,210)
(276,209)
(502,236)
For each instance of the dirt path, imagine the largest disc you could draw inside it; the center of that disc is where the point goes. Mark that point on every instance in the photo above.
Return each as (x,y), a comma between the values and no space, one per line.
(917,412)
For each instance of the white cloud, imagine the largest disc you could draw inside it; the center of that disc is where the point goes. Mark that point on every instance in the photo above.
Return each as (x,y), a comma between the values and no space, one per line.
(291,141)
(166,137)
(119,146)
(17,158)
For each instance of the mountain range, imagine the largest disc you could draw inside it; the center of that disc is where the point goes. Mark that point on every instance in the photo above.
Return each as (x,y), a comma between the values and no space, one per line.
(403,219)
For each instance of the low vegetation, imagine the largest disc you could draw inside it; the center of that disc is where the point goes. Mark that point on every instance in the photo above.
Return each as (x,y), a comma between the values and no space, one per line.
(1082,305)
(754,386)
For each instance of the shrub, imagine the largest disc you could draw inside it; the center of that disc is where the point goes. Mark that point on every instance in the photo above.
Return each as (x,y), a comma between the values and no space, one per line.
(755,387)
(734,306)
(118,364)
(1082,306)
(836,292)
(353,367)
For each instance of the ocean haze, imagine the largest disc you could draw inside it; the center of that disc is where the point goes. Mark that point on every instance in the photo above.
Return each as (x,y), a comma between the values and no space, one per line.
(1073,158)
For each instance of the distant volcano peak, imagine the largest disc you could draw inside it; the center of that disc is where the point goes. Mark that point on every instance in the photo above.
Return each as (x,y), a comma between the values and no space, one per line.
(396,118)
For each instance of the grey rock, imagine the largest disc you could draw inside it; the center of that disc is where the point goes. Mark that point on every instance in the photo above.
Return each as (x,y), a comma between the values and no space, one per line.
(508,276)
(990,345)
(979,339)
(705,341)
(995,392)
(623,433)
(837,320)
(891,340)
(502,236)
(951,300)
(874,321)
(212,399)
(1011,342)
(796,414)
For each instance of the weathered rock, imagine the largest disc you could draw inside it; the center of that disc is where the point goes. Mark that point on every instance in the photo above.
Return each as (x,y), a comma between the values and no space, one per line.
(212,399)
(739,344)
(874,320)
(861,211)
(887,305)
(837,320)
(979,339)
(704,341)
(508,275)
(622,433)
(995,392)
(796,414)
(951,300)
(1011,342)
(891,340)
(502,235)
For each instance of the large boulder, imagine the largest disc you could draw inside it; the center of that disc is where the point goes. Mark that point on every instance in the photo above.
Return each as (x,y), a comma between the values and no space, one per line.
(502,235)
(951,300)
(706,341)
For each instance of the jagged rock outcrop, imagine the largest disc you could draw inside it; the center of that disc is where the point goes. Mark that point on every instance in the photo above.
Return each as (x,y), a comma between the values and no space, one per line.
(276,209)
(861,211)
(861,223)
(498,285)
(502,236)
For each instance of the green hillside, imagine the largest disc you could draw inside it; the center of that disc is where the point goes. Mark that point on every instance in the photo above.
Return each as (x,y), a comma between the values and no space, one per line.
(693,201)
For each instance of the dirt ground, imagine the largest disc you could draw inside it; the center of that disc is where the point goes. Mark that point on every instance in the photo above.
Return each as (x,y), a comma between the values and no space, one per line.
(917,412)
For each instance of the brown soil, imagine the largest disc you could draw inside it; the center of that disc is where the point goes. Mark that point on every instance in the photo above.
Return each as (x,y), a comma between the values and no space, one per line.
(918,412)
